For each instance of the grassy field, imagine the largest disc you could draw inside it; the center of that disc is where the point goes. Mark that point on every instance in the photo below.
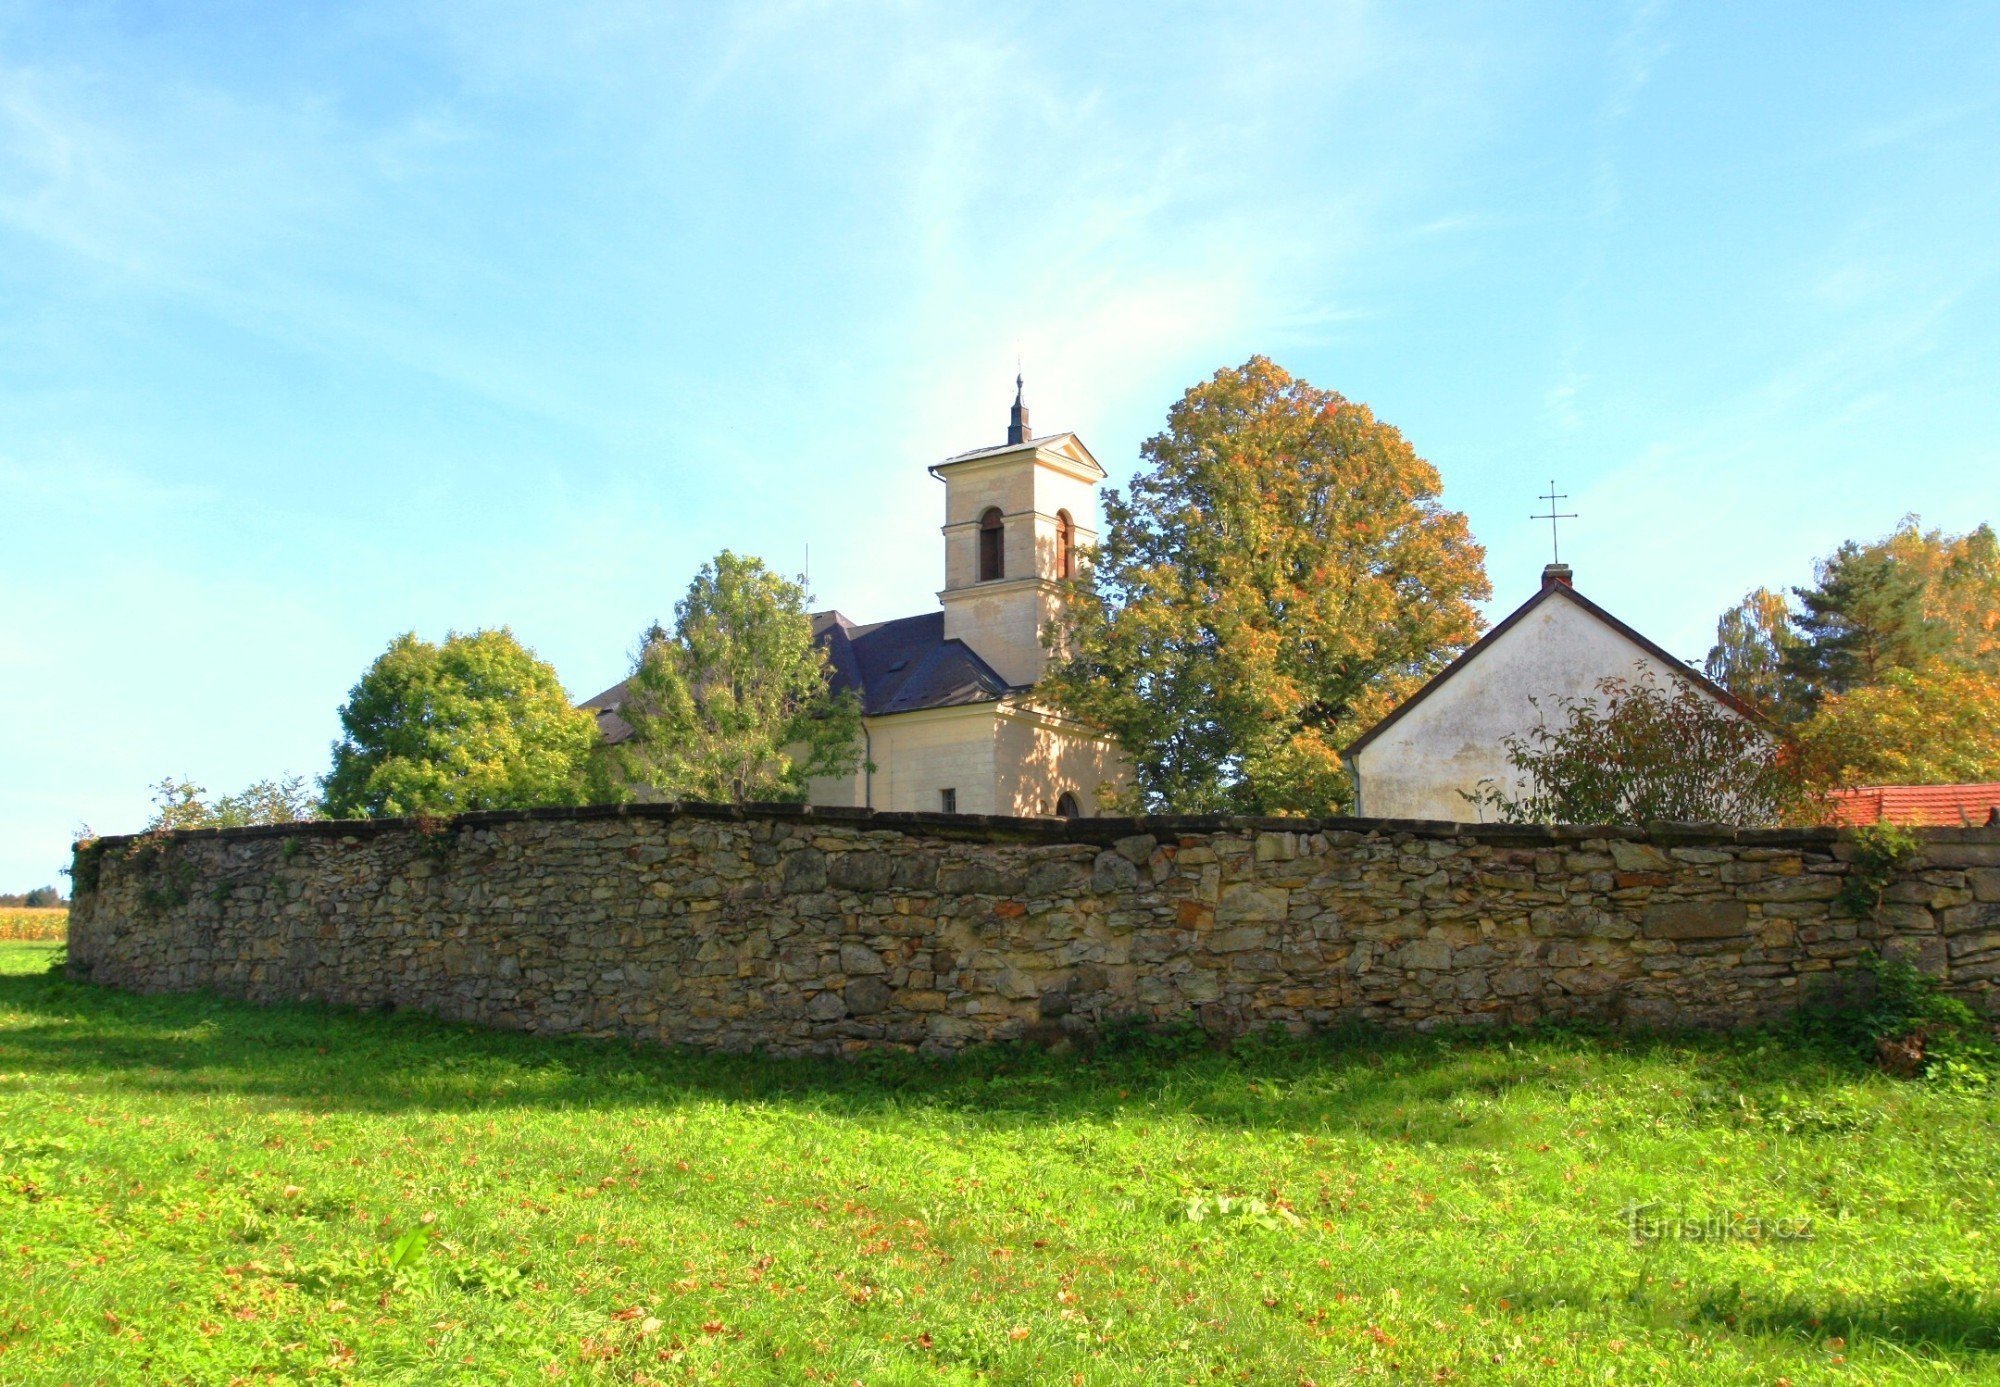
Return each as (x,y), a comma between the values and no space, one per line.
(197,1191)
(19,923)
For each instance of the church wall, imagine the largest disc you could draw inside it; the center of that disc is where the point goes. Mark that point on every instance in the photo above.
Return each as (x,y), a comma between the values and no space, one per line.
(1039,759)
(919,754)
(1003,623)
(831,932)
(1453,739)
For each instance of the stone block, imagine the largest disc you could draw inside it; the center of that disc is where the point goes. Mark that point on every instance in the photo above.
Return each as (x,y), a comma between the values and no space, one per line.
(1113,872)
(859,958)
(1239,939)
(867,996)
(1711,919)
(1985,884)
(1198,986)
(1246,900)
(860,871)
(1193,914)
(1925,955)
(1805,887)
(1963,919)
(1055,878)
(1277,847)
(1423,953)
(1137,849)
(916,871)
(1639,857)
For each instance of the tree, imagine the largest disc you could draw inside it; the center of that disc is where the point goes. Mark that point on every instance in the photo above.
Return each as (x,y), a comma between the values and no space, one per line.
(1961,575)
(1938,724)
(1899,602)
(42,898)
(1752,641)
(1280,575)
(180,804)
(1638,752)
(475,723)
(734,703)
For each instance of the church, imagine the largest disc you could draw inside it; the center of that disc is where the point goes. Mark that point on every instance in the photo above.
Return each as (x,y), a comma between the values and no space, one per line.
(949,721)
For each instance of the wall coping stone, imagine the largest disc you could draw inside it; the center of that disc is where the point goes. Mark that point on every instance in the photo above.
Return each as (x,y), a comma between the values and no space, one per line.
(1102,831)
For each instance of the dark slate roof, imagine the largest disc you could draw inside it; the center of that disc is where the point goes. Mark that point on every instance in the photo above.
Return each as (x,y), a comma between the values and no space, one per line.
(901,666)
(610,726)
(905,665)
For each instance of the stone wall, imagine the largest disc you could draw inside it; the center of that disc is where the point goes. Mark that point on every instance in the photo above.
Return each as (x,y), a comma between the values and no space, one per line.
(829,931)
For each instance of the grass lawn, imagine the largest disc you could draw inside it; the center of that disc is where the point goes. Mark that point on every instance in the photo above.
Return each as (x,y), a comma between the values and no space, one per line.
(193,1190)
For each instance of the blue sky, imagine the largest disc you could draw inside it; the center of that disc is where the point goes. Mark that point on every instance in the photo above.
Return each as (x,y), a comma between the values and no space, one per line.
(318,324)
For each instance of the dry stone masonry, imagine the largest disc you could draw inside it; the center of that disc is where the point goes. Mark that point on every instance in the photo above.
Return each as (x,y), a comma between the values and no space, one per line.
(822,931)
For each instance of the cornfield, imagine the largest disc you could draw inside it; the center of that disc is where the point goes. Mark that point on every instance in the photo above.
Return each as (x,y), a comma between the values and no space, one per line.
(19,923)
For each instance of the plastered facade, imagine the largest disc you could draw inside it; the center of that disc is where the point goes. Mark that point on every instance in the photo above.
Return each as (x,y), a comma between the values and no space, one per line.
(1452,740)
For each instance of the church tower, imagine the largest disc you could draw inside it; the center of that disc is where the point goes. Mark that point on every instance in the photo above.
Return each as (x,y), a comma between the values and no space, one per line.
(1016,518)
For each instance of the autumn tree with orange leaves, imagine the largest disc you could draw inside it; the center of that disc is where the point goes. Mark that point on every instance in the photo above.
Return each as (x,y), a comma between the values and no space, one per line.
(1278,577)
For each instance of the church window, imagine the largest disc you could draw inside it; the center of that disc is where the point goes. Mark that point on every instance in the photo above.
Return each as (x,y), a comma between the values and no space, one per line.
(992,545)
(1067,807)
(948,801)
(1065,545)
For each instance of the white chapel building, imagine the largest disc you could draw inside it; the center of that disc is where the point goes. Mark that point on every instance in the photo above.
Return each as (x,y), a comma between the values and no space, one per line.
(1448,738)
(948,714)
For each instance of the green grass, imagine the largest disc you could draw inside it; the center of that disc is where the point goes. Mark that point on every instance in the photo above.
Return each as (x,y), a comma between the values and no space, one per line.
(193,1190)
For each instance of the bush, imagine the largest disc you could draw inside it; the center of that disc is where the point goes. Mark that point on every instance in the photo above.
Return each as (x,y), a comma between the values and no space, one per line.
(1637,752)
(1900,1022)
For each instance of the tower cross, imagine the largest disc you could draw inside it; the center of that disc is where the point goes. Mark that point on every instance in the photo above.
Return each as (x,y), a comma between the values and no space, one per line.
(1553,496)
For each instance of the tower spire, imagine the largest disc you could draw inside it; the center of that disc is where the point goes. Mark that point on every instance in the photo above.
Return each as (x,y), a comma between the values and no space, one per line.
(1017,424)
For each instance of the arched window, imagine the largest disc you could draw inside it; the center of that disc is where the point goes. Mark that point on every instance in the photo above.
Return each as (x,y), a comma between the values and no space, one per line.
(1065,545)
(992,545)
(1067,807)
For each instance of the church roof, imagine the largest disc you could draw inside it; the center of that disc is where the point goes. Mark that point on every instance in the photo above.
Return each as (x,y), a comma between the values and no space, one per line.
(905,665)
(610,727)
(1553,589)
(901,666)
(1047,441)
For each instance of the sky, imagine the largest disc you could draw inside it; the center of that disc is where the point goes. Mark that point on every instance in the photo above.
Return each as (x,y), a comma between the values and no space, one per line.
(323,323)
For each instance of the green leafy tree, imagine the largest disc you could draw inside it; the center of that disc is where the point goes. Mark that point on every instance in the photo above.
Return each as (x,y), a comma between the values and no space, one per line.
(1961,576)
(1752,641)
(42,898)
(1279,576)
(734,703)
(1935,725)
(475,723)
(181,804)
(1639,752)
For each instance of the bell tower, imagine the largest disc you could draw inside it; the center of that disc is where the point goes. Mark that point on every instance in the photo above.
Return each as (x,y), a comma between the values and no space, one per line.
(1017,517)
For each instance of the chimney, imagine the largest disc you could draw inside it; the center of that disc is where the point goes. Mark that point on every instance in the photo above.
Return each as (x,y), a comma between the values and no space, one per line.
(1017,426)
(1556,573)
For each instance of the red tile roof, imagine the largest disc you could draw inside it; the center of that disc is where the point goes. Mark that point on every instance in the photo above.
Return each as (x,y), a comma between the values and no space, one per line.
(1952,805)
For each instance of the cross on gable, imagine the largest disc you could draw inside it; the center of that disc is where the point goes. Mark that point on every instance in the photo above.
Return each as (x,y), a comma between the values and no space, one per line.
(1553,516)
